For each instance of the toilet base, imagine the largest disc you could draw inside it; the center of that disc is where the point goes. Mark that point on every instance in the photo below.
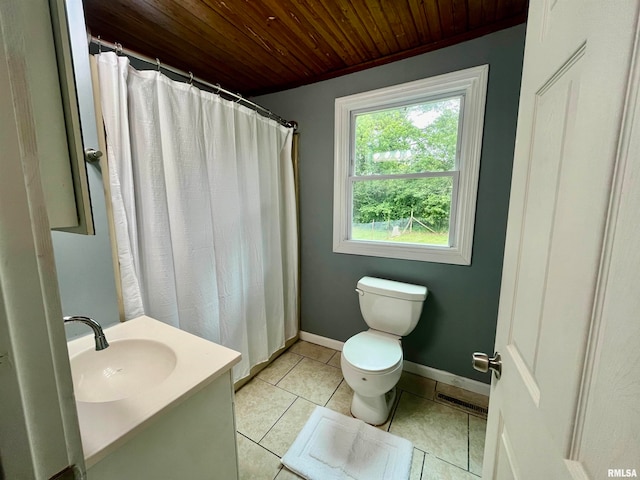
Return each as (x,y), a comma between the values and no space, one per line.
(373,410)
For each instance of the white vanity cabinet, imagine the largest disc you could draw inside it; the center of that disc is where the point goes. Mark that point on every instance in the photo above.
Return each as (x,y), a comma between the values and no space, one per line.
(157,404)
(193,440)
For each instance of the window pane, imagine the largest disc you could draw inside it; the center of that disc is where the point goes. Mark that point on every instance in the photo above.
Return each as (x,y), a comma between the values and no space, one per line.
(413,210)
(409,139)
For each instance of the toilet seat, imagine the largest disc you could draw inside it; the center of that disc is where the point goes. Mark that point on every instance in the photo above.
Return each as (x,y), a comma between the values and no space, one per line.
(373,352)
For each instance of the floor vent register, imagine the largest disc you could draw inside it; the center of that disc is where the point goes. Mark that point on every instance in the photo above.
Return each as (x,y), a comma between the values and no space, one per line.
(469,407)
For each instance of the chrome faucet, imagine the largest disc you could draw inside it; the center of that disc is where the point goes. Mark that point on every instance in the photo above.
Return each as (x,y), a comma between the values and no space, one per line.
(98,334)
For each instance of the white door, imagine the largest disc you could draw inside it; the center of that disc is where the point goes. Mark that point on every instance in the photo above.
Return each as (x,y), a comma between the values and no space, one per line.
(567,405)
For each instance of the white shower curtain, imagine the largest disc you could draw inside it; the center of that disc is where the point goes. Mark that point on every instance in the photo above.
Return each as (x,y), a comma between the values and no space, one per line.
(204,209)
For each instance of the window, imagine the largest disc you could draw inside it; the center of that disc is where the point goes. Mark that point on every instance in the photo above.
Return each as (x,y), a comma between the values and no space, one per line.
(407,159)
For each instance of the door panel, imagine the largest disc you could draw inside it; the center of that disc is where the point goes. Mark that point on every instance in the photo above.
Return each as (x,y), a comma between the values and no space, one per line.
(574,106)
(505,462)
(552,131)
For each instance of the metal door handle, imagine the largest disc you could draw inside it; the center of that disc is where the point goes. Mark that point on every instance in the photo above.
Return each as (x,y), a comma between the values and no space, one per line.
(92,155)
(483,363)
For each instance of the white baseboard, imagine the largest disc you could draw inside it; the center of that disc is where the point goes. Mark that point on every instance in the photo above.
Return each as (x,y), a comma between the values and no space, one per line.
(447,377)
(415,368)
(324,341)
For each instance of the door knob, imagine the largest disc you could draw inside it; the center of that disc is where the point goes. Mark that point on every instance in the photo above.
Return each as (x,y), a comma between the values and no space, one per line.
(483,363)
(92,155)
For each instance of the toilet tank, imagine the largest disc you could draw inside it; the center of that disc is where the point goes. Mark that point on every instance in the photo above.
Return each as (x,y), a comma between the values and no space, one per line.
(388,306)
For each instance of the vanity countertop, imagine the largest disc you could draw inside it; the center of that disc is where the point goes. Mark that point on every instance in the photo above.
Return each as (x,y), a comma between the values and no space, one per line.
(105,426)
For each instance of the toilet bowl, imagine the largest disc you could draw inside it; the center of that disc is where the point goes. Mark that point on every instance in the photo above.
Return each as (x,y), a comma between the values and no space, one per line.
(371,365)
(372,361)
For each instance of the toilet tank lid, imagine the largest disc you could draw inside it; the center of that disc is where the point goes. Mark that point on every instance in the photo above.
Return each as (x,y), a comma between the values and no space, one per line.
(390,288)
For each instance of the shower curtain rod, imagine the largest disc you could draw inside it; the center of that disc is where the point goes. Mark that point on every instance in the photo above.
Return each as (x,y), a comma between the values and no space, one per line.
(117,47)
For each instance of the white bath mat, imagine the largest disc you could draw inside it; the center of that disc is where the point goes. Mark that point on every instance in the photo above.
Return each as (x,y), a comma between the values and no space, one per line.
(332,446)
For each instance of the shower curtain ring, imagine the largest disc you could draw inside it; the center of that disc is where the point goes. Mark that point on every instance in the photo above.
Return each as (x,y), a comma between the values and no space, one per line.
(190,78)
(99,45)
(239,97)
(218,87)
(158,63)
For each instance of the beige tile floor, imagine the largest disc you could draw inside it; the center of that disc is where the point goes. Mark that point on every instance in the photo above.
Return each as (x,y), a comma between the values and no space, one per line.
(273,407)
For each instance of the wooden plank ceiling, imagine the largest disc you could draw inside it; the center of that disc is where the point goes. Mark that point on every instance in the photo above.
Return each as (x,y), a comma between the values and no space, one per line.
(261,46)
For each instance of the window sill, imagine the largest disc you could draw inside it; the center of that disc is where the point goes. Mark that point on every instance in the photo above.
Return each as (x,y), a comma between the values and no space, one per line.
(404,251)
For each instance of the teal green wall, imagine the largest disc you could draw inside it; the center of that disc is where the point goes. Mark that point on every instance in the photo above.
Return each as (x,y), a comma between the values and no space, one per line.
(85,267)
(460,313)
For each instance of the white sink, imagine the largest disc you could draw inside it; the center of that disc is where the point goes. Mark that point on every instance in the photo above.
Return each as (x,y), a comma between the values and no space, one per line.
(148,369)
(128,367)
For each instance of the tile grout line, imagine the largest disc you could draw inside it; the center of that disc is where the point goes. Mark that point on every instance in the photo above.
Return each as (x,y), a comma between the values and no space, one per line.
(468,443)
(257,444)
(335,353)
(279,418)
(297,396)
(395,410)
(300,396)
(321,363)
(432,453)
(334,392)
(289,371)
(264,448)
(273,453)
(327,362)
(326,348)
(449,463)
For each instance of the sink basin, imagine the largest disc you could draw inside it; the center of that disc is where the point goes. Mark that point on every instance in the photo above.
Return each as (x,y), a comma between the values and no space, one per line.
(149,369)
(128,367)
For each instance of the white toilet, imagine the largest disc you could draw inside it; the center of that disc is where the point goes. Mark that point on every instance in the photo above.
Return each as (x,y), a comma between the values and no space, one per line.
(372,361)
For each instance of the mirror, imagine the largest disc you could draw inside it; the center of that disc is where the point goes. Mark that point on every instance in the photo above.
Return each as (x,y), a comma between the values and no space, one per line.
(74,76)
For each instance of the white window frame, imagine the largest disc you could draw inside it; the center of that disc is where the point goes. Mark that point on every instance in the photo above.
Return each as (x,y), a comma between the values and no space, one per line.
(471,84)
